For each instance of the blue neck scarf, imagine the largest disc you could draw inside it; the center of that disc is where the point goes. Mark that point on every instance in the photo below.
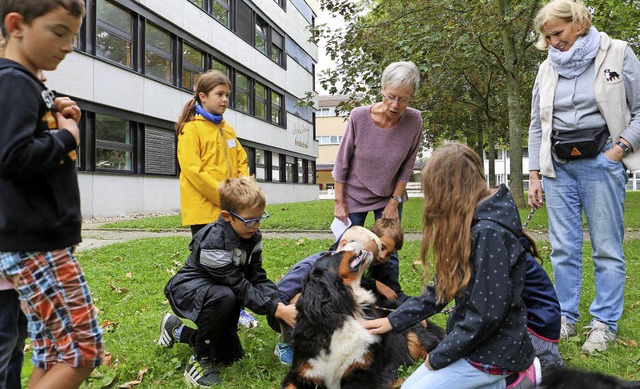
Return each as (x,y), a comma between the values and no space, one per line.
(576,60)
(212,117)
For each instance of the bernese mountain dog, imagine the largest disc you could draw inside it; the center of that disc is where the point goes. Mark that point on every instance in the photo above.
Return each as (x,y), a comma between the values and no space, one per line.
(332,350)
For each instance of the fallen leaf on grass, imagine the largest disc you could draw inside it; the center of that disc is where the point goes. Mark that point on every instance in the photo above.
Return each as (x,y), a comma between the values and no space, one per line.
(131,384)
(109,326)
(107,360)
(118,289)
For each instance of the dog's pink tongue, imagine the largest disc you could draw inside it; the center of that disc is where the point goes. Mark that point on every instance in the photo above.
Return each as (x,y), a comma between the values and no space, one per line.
(358,261)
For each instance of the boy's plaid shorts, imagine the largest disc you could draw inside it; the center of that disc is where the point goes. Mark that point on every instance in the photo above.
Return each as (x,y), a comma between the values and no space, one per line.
(63,324)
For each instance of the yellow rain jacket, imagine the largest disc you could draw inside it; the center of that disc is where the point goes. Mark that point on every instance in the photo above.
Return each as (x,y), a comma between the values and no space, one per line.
(208,153)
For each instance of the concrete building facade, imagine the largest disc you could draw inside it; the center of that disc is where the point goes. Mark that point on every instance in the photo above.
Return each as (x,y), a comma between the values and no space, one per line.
(329,131)
(134,67)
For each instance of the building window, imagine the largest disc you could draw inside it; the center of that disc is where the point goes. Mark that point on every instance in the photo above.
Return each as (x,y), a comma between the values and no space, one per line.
(326,112)
(114,145)
(251,159)
(275,167)
(220,11)
(262,29)
(192,66)
(199,3)
(261,101)
(114,33)
(159,151)
(329,139)
(277,47)
(311,172)
(217,65)
(281,3)
(290,169)
(302,170)
(158,54)
(276,108)
(261,165)
(242,92)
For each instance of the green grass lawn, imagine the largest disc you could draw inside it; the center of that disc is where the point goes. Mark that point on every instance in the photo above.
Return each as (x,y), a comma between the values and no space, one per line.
(127,282)
(318,215)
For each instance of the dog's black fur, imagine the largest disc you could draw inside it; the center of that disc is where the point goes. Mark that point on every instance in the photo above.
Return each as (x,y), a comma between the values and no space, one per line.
(565,378)
(328,304)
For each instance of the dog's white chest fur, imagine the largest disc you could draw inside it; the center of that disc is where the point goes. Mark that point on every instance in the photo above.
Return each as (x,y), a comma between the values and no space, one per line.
(349,345)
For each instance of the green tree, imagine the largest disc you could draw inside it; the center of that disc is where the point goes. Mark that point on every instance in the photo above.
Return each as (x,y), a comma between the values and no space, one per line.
(476,58)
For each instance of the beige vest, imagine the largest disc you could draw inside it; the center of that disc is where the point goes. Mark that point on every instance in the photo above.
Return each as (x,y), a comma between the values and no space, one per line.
(610,97)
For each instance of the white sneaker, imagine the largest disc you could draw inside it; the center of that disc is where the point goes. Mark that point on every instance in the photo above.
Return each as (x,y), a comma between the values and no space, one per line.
(598,337)
(567,330)
(246,320)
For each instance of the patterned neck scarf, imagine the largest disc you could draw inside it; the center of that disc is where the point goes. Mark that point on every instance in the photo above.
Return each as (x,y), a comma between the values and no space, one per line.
(576,60)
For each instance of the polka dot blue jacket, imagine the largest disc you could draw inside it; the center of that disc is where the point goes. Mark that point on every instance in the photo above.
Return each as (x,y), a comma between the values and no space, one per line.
(488,322)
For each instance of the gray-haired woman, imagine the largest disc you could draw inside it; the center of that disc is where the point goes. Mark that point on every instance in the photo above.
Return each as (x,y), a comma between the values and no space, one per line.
(378,151)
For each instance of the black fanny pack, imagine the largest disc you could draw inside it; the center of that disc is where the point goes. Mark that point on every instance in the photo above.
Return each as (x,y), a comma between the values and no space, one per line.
(579,143)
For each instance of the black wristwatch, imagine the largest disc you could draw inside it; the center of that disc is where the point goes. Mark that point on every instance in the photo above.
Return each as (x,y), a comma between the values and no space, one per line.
(398,199)
(626,150)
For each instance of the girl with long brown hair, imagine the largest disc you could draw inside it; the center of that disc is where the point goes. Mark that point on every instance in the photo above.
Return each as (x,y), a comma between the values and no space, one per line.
(472,232)
(208,150)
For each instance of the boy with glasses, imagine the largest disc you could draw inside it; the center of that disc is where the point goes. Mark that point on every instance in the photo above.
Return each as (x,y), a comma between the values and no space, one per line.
(223,273)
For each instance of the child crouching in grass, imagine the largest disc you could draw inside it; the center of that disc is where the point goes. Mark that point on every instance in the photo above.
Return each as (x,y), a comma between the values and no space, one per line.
(222,274)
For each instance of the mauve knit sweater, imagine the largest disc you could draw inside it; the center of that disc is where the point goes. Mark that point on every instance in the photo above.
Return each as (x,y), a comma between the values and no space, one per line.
(371,160)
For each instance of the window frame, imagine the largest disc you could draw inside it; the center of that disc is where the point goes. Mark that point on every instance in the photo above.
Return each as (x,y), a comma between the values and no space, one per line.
(227,5)
(262,165)
(261,100)
(261,31)
(276,111)
(114,145)
(276,166)
(241,91)
(129,37)
(155,50)
(193,70)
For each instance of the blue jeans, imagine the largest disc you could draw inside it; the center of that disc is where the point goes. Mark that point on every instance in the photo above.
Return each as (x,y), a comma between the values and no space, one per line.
(13,332)
(459,374)
(597,187)
(358,219)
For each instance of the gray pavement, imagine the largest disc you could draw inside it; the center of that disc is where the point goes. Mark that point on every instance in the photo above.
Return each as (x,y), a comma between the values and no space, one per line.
(94,237)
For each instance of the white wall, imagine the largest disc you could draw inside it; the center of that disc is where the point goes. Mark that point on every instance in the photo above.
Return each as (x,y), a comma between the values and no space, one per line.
(278,193)
(106,195)
(103,194)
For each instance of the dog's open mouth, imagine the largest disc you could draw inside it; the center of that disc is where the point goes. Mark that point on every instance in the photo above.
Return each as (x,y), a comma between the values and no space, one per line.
(360,261)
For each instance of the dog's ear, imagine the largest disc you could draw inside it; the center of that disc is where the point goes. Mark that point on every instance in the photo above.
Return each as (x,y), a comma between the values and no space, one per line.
(323,293)
(314,295)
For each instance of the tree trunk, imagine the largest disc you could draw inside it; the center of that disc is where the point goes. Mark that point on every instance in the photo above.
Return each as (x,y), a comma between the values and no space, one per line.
(515,109)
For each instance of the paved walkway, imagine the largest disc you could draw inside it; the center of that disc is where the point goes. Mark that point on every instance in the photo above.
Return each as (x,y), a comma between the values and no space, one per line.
(93,236)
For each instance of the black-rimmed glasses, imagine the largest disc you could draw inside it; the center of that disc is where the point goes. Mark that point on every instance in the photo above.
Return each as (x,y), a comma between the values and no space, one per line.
(250,223)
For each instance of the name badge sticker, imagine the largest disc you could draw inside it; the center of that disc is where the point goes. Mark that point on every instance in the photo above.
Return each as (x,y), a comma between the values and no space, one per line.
(231,143)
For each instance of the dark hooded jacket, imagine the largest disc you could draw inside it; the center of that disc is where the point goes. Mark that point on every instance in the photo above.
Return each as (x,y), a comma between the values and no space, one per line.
(539,296)
(219,257)
(488,323)
(39,195)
